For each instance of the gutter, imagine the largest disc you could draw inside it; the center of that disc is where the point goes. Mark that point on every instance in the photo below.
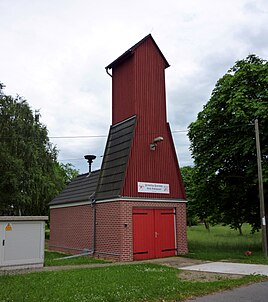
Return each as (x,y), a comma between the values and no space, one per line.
(107,71)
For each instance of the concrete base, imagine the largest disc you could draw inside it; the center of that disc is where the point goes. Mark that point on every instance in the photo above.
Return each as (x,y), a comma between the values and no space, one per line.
(230,268)
(21,266)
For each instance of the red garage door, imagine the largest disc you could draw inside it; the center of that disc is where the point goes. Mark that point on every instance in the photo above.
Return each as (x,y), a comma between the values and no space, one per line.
(153,233)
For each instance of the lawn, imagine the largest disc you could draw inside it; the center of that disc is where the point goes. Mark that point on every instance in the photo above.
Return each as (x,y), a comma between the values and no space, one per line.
(141,282)
(223,243)
(136,282)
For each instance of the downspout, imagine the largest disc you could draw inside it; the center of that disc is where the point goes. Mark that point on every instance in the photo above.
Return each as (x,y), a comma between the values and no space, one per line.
(86,252)
(107,71)
(93,205)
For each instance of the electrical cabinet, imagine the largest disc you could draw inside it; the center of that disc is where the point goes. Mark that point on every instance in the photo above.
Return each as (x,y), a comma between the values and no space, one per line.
(22,240)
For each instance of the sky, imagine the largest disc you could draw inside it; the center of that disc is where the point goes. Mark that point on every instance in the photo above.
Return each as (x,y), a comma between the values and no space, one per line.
(54,53)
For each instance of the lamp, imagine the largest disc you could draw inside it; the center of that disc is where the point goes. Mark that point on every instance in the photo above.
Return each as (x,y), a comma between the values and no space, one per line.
(155,141)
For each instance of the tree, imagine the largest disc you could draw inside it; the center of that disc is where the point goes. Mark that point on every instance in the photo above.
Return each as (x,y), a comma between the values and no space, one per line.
(198,207)
(30,174)
(223,144)
(187,174)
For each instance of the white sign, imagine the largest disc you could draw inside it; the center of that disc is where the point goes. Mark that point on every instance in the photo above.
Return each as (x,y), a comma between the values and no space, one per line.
(148,187)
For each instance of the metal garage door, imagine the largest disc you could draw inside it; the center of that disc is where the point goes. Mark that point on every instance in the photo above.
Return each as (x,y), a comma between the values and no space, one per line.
(153,233)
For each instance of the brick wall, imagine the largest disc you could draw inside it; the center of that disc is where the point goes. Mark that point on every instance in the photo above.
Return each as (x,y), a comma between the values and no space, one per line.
(72,229)
(181,228)
(114,228)
(108,230)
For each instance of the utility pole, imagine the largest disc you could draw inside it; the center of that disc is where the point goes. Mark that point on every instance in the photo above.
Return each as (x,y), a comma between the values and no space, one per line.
(261,194)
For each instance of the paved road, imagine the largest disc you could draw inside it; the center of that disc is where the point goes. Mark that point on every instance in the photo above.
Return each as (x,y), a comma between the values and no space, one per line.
(257,292)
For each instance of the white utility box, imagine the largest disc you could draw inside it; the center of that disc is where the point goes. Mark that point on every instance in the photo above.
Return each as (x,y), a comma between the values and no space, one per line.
(22,240)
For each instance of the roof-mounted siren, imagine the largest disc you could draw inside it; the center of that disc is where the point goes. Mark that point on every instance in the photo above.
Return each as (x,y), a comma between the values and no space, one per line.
(89,159)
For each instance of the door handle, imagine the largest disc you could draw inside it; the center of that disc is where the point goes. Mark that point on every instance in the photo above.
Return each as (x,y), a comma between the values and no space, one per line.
(3,242)
(156,235)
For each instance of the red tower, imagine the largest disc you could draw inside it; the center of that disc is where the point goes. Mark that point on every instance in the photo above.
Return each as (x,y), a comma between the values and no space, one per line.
(138,85)
(136,209)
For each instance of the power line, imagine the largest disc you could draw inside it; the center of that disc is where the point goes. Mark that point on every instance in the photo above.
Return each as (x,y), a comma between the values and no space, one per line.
(72,159)
(79,136)
(100,136)
(174,131)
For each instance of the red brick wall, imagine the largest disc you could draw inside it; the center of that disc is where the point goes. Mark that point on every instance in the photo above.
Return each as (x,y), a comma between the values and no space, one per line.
(71,228)
(181,228)
(108,230)
(114,228)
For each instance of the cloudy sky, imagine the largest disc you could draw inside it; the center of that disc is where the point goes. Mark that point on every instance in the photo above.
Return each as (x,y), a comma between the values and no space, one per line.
(53,53)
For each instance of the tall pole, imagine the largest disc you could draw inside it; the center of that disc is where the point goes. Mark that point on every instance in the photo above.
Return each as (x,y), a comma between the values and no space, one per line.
(261,194)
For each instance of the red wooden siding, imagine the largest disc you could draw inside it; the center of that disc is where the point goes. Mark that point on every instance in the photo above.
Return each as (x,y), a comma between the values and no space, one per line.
(150,87)
(153,233)
(139,88)
(123,93)
(159,166)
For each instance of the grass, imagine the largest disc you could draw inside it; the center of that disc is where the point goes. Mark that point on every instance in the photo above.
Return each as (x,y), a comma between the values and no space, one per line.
(136,282)
(142,282)
(223,243)
(51,259)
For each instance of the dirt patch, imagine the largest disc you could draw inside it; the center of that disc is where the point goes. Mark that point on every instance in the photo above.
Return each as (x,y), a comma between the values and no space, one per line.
(205,276)
(198,276)
(177,261)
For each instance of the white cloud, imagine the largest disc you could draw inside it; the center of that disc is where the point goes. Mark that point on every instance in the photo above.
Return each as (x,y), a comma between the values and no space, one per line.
(54,52)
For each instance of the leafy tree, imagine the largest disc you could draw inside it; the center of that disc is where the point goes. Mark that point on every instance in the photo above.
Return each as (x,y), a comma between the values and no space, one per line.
(187,174)
(30,174)
(223,144)
(198,207)
(66,172)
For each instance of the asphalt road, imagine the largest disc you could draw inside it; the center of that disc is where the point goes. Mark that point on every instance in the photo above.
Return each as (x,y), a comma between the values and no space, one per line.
(257,292)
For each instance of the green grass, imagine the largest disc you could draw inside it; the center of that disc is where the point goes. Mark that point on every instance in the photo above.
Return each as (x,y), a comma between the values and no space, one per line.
(143,282)
(224,243)
(51,259)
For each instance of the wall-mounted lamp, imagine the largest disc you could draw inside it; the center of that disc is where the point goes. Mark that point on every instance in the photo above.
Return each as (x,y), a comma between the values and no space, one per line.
(155,141)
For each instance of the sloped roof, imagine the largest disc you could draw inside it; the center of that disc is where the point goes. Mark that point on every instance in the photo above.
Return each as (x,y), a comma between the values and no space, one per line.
(82,188)
(115,159)
(131,51)
(107,182)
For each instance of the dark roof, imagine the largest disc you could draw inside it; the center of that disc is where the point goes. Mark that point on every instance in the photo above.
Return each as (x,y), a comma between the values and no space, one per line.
(82,188)
(115,159)
(131,50)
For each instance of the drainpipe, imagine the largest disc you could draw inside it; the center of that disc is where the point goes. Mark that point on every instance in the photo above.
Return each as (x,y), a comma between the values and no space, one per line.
(90,159)
(93,205)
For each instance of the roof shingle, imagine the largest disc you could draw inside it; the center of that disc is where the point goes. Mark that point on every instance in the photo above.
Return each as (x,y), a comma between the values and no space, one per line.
(115,159)
(82,188)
